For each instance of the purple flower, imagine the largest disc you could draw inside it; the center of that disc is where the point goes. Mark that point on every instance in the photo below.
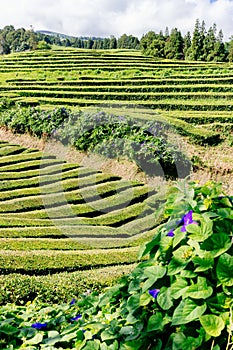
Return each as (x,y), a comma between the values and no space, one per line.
(154,292)
(76,318)
(39,325)
(73,301)
(171,233)
(186,220)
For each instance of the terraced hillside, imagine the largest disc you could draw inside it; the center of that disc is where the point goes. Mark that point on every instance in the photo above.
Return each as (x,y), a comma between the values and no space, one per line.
(78,77)
(58,217)
(198,93)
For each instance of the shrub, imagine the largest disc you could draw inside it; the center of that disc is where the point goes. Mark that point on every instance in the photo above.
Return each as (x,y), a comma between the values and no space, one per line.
(180,298)
(118,136)
(42,45)
(33,120)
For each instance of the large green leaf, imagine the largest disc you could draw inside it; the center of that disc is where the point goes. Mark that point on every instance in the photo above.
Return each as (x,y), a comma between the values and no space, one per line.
(212,324)
(188,274)
(67,337)
(146,248)
(218,302)
(93,345)
(53,338)
(226,213)
(113,346)
(187,311)
(37,339)
(145,299)
(179,236)
(7,329)
(217,244)
(176,267)
(202,232)
(178,287)
(225,269)
(200,290)
(131,345)
(203,263)
(153,273)
(164,298)
(155,322)
(133,302)
(108,335)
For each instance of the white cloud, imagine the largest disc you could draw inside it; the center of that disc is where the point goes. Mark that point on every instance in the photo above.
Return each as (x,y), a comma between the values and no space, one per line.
(115,17)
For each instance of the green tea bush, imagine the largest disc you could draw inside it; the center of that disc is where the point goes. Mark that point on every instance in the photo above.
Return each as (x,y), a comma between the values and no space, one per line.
(58,287)
(110,135)
(33,120)
(179,298)
(118,136)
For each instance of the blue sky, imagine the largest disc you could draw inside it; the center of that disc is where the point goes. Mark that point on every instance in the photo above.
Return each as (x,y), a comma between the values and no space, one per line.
(116,17)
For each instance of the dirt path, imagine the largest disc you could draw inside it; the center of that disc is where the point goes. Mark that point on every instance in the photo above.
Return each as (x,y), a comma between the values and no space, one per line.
(213,163)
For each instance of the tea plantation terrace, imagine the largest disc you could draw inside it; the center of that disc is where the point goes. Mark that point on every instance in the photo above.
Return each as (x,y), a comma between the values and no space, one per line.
(85,78)
(45,202)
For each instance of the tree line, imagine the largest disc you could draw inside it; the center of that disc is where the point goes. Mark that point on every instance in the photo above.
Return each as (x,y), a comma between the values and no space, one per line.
(203,44)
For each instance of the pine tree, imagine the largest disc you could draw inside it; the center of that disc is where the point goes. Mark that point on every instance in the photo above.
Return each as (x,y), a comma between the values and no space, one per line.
(220,53)
(196,46)
(166,34)
(230,50)
(187,45)
(209,42)
(113,42)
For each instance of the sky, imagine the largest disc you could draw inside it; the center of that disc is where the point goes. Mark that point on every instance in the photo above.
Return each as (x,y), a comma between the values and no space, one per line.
(115,17)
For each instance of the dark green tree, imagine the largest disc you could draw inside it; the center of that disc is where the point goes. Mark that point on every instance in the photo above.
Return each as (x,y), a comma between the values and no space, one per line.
(230,50)
(197,40)
(146,41)
(173,47)
(153,44)
(113,42)
(4,47)
(209,43)
(106,43)
(77,42)
(66,42)
(187,46)
(220,53)
(90,43)
(128,42)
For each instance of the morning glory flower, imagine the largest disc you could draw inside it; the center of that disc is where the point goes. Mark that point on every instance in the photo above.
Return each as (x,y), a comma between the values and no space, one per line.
(73,301)
(171,233)
(76,318)
(187,219)
(154,292)
(39,325)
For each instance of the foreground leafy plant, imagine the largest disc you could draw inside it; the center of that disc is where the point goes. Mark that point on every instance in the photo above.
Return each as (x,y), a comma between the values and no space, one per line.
(180,298)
